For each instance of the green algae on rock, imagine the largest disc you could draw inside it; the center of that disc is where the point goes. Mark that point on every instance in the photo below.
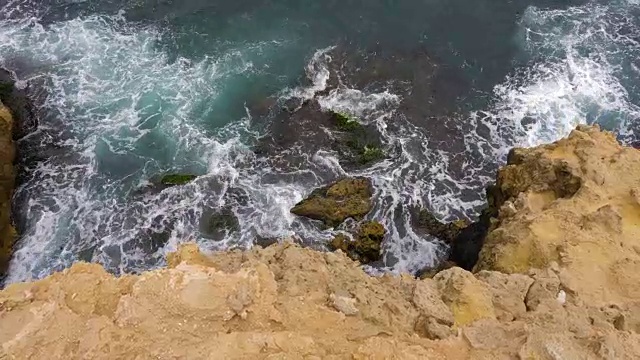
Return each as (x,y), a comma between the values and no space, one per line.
(369,154)
(333,204)
(177,179)
(366,246)
(357,141)
(446,232)
(345,122)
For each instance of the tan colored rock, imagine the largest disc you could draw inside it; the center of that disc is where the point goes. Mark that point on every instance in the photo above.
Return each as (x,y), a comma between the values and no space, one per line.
(344,304)
(545,288)
(508,293)
(578,207)
(468,297)
(430,328)
(428,300)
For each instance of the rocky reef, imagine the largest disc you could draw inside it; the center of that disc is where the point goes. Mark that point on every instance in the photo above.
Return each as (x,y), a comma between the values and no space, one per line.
(557,277)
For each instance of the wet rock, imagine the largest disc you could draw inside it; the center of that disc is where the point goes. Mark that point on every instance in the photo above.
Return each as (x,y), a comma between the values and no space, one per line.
(333,204)
(447,232)
(17,100)
(310,129)
(177,179)
(466,246)
(8,233)
(15,111)
(265,242)
(357,145)
(366,245)
(218,224)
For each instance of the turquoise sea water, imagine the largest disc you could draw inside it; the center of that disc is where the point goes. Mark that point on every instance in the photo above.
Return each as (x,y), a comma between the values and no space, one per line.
(127,90)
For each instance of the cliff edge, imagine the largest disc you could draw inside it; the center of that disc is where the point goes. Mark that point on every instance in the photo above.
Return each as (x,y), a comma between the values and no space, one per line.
(7,184)
(558,278)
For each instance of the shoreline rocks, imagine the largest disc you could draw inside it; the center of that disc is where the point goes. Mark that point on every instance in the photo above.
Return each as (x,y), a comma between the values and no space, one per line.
(557,278)
(337,202)
(367,243)
(16,120)
(8,234)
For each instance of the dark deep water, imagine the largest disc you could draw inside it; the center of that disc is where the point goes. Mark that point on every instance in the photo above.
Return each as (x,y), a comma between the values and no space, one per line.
(127,90)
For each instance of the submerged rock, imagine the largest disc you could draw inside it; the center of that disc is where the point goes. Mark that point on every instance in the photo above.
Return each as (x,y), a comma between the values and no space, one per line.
(356,144)
(446,232)
(217,225)
(333,204)
(312,128)
(177,179)
(367,244)
(345,122)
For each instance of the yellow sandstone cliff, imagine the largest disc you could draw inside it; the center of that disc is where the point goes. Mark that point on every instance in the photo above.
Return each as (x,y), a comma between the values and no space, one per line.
(558,278)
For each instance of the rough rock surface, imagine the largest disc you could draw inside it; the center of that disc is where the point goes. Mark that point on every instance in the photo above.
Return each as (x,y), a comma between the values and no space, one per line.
(573,205)
(367,243)
(7,183)
(333,204)
(286,302)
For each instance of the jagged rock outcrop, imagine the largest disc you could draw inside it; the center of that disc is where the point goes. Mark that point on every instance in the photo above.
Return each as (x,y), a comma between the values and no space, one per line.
(573,205)
(7,184)
(366,245)
(285,302)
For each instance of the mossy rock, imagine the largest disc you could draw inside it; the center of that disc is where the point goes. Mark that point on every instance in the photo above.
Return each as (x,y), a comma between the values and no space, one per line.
(333,204)
(367,245)
(340,242)
(358,142)
(446,232)
(345,122)
(369,240)
(177,179)
(370,154)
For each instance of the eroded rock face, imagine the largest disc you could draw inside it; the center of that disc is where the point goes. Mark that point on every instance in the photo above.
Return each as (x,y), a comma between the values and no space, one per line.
(333,204)
(7,184)
(572,205)
(288,302)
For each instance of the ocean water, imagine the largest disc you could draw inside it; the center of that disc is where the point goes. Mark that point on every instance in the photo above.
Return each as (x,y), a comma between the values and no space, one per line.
(128,90)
